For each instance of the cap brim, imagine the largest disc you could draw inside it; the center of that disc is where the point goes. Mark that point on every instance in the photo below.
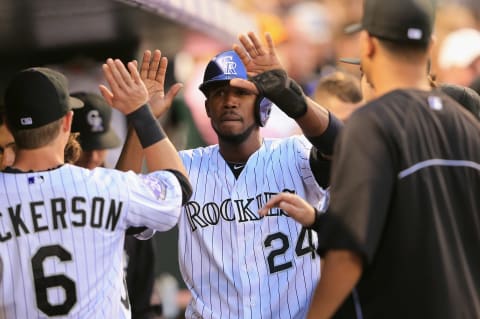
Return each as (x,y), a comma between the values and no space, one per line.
(355,61)
(75,103)
(99,141)
(353,28)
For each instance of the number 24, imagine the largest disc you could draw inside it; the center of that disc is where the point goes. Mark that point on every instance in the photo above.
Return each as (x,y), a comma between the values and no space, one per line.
(300,250)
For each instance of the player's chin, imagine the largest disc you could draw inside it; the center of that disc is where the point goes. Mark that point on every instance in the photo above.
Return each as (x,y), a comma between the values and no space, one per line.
(231,127)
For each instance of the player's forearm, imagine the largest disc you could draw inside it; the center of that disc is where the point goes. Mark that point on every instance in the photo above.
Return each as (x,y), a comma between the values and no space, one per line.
(341,271)
(315,121)
(131,156)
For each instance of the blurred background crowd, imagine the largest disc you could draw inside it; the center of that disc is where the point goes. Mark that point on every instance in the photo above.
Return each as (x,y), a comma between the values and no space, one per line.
(76,36)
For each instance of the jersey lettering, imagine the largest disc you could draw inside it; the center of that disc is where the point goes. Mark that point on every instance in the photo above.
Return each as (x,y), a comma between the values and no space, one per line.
(244,210)
(101,215)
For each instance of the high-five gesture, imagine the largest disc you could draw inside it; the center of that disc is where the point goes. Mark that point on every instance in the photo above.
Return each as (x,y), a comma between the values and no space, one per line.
(256,57)
(152,71)
(128,92)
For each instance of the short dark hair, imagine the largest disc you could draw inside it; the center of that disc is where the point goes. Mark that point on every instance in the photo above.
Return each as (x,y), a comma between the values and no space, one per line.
(405,50)
(33,138)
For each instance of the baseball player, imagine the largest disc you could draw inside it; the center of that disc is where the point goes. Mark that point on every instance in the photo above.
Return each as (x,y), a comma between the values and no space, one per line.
(403,221)
(235,263)
(62,226)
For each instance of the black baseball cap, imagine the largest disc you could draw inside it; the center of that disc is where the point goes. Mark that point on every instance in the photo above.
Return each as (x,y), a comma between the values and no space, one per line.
(36,97)
(409,21)
(93,123)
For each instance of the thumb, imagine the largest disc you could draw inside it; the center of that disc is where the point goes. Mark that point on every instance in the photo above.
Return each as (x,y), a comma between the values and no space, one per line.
(173,91)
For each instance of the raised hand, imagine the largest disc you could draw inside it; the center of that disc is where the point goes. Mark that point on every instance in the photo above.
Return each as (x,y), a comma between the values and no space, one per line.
(256,57)
(152,71)
(127,91)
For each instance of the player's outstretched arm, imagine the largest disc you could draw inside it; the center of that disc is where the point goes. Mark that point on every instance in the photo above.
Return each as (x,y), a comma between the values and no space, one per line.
(129,95)
(270,79)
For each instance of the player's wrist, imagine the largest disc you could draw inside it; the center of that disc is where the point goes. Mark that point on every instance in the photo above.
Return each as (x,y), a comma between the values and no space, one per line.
(316,222)
(326,141)
(146,126)
(276,86)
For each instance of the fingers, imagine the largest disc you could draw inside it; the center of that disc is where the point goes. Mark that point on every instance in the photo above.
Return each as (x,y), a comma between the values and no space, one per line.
(272,203)
(118,77)
(270,45)
(145,64)
(109,77)
(162,70)
(240,51)
(154,63)
(132,67)
(256,43)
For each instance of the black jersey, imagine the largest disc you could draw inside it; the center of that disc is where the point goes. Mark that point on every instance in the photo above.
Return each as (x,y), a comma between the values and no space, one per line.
(405,195)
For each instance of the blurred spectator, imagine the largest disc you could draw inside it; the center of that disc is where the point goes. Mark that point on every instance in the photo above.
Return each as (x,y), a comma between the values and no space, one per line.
(459,57)
(307,48)
(96,135)
(450,17)
(339,92)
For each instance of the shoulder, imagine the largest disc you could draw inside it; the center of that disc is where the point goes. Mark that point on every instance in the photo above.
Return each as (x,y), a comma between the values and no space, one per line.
(198,152)
(294,140)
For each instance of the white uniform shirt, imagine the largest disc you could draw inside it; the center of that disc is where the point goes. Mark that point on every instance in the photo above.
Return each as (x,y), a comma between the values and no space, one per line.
(235,264)
(62,234)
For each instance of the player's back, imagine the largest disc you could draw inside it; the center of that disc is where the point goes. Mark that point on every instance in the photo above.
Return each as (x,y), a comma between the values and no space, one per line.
(433,224)
(61,242)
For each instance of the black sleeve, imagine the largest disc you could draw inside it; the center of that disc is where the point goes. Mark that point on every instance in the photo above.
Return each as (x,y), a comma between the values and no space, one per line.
(325,142)
(322,149)
(362,183)
(184,184)
(320,167)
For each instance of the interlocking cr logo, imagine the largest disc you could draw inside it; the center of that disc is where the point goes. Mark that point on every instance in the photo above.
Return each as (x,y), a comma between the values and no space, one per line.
(95,121)
(229,67)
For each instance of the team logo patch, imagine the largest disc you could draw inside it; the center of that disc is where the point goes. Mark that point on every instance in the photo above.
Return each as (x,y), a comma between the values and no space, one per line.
(35,180)
(25,121)
(158,187)
(435,103)
(95,121)
(228,65)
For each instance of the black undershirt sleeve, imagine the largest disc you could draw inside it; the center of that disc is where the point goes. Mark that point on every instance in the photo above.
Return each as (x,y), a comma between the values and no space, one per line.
(320,161)
(184,184)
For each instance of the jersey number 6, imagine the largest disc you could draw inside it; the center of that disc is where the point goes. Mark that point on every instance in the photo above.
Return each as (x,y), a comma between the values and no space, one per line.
(42,282)
(300,249)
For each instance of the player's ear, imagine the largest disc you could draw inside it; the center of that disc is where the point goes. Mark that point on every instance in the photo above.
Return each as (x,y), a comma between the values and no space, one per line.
(67,121)
(368,44)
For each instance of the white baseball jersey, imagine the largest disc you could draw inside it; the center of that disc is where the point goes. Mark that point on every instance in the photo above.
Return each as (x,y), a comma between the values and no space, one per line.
(62,234)
(236,264)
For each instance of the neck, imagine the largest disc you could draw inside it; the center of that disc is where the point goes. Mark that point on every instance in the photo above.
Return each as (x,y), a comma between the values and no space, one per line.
(40,159)
(400,75)
(240,152)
